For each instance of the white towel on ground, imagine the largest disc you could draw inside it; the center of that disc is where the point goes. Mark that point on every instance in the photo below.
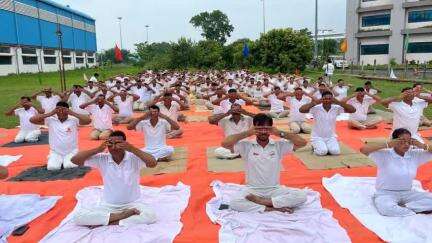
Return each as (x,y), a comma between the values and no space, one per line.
(19,210)
(5,160)
(167,202)
(355,194)
(309,223)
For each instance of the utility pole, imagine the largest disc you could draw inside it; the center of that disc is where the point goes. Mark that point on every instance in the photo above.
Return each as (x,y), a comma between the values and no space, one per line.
(121,38)
(316,35)
(147,33)
(264,17)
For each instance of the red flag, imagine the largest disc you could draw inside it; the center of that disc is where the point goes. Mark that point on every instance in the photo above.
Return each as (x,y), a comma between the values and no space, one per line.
(118,54)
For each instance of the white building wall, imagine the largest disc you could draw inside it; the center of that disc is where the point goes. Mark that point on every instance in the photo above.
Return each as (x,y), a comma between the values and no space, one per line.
(370,59)
(420,57)
(27,68)
(374,3)
(9,69)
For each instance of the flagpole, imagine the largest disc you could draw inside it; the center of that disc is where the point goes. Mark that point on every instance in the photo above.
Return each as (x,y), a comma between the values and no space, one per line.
(121,38)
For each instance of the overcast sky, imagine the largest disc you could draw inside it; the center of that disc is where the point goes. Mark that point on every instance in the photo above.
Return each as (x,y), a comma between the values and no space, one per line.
(169,19)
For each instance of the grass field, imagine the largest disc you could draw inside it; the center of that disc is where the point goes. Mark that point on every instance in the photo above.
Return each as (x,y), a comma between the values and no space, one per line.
(14,86)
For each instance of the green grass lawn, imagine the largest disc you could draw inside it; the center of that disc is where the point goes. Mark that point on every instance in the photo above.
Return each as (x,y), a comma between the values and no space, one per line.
(12,87)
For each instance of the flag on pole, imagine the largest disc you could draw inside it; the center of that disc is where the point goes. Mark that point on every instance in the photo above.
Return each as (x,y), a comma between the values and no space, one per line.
(344,46)
(117,54)
(245,50)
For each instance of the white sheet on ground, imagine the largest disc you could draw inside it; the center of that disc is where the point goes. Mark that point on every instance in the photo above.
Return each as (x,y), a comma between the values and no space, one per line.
(5,160)
(309,223)
(341,117)
(19,210)
(355,194)
(168,203)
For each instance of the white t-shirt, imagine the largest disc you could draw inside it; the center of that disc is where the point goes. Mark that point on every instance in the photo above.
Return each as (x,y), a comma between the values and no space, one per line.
(361,108)
(48,104)
(329,68)
(173,112)
(395,172)
(144,93)
(341,91)
(93,79)
(295,114)
(62,136)
(125,107)
(325,122)
(406,116)
(226,104)
(76,101)
(24,118)
(276,105)
(290,87)
(266,89)
(121,181)
(91,90)
(263,165)
(308,90)
(102,117)
(154,137)
(230,127)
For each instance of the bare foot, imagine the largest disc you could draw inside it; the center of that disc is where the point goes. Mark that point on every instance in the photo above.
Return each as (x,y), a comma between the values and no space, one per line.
(259,200)
(116,217)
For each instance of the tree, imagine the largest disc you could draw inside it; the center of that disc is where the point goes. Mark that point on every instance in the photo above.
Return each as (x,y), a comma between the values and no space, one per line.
(109,56)
(154,55)
(209,54)
(182,54)
(285,50)
(215,25)
(328,47)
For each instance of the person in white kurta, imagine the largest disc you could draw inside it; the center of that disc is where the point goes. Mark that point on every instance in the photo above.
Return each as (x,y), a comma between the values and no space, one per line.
(234,121)
(155,127)
(124,103)
(62,134)
(170,107)
(328,72)
(277,109)
(361,101)
(398,161)
(120,170)
(48,100)
(324,138)
(341,90)
(297,120)
(28,132)
(77,97)
(263,157)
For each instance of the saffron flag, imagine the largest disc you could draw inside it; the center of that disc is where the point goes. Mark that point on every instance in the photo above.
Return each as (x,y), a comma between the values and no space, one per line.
(245,50)
(344,46)
(117,54)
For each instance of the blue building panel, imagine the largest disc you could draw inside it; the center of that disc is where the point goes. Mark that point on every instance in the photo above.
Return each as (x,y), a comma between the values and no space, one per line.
(79,39)
(28,30)
(7,33)
(68,39)
(49,36)
(29,2)
(91,41)
(47,7)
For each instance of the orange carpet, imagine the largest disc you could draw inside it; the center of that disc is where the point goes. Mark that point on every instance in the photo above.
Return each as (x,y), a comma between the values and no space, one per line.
(197,137)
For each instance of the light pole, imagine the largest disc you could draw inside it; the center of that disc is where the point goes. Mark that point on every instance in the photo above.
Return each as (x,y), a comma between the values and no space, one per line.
(316,35)
(121,38)
(61,63)
(147,32)
(264,19)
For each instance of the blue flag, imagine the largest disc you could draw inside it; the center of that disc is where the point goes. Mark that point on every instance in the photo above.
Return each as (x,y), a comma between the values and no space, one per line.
(245,50)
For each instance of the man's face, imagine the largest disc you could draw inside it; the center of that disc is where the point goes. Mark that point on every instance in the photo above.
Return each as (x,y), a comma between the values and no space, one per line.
(322,88)
(236,109)
(232,95)
(77,90)
(167,99)
(277,91)
(25,103)
(327,99)
(47,92)
(417,89)
(408,95)
(123,94)
(263,132)
(112,142)
(101,100)
(360,95)
(90,84)
(298,94)
(62,112)
(154,112)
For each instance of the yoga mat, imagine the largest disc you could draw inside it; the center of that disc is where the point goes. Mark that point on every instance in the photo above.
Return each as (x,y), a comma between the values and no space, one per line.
(223,165)
(41,173)
(178,164)
(347,159)
(43,139)
(197,118)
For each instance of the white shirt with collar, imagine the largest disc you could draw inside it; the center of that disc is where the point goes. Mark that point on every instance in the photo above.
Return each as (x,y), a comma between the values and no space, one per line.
(154,137)
(102,117)
(76,101)
(121,181)
(24,119)
(62,136)
(91,90)
(48,104)
(230,127)
(406,116)
(276,105)
(325,121)
(226,104)
(295,104)
(395,172)
(263,165)
(173,112)
(342,92)
(125,107)
(361,108)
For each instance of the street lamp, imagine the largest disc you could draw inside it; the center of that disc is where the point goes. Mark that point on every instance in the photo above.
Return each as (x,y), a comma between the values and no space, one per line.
(61,63)
(147,31)
(316,35)
(121,38)
(264,19)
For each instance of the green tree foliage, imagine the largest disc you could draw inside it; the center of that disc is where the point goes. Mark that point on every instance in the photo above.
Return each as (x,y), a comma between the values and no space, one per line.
(108,56)
(209,54)
(215,25)
(328,47)
(154,55)
(182,54)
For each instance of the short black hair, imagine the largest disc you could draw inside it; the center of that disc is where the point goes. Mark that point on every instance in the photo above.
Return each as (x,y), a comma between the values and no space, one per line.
(277,87)
(262,119)
(155,107)
(101,95)
(359,89)
(26,98)
(368,83)
(399,132)
(326,93)
(62,104)
(417,84)
(167,94)
(321,84)
(232,91)
(405,89)
(298,88)
(118,133)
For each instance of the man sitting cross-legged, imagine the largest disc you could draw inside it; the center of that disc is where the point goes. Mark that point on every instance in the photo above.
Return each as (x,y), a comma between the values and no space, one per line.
(25,110)
(325,111)
(361,101)
(124,102)
(120,169)
(235,121)
(62,134)
(155,126)
(263,158)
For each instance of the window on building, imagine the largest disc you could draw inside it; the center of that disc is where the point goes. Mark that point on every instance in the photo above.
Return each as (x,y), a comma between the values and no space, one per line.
(90,54)
(5,49)
(368,1)
(49,52)
(420,16)
(90,60)
(67,60)
(79,53)
(27,50)
(30,60)
(66,53)
(50,60)
(5,60)
(380,49)
(79,60)
(376,20)
(420,47)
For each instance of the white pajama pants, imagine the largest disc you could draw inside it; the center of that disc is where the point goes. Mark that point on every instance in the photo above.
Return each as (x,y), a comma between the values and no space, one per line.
(223,153)
(100,214)
(280,196)
(324,146)
(159,153)
(27,136)
(402,203)
(55,160)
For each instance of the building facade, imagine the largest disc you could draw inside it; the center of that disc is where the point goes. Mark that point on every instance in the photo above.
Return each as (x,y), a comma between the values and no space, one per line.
(379,31)
(32,33)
